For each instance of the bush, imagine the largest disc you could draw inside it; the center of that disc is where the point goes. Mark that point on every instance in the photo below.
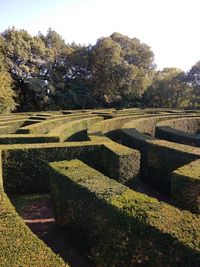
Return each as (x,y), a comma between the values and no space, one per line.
(63,132)
(46,126)
(185,187)
(182,130)
(25,166)
(118,226)
(158,158)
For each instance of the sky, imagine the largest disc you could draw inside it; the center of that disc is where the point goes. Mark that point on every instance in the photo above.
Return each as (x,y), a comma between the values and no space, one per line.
(169,27)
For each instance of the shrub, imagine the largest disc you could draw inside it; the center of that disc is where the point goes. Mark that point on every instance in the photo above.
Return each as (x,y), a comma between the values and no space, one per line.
(185,187)
(118,226)
(158,158)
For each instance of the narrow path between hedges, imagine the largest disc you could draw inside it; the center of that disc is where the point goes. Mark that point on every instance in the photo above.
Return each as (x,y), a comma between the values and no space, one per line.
(152,192)
(38,215)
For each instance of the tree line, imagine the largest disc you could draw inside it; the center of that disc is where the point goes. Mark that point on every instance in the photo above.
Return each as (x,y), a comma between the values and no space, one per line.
(44,72)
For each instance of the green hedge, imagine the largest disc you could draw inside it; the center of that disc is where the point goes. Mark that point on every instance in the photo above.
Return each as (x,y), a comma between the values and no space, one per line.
(38,118)
(27,139)
(47,125)
(148,125)
(105,126)
(189,125)
(6,130)
(118,226)
(158,158)
(121,163)
(12,117)
(178,136)
(185,187)
(14,124)
(66,130)
(25,166)
(1,172)
(182,130)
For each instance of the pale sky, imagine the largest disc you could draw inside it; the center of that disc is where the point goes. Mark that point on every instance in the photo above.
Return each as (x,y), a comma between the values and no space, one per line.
(169,27)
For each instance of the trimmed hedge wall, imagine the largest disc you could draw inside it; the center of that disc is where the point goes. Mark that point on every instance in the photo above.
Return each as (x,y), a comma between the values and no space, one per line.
(13,124)
(159,158)
(12,118)
(178,136)
(189,125)
(118,226)
(25,168)
(45,126)
(27,139)
(156,164)
(66,130)
(105,126)
(121,163)
(147,125)
(6,130)
(1,172)
(182,130)
(185,187)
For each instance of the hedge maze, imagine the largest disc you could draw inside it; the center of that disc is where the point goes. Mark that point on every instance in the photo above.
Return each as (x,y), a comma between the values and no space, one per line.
(93,163)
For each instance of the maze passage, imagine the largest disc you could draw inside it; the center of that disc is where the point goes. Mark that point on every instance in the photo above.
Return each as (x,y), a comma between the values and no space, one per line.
(94,163)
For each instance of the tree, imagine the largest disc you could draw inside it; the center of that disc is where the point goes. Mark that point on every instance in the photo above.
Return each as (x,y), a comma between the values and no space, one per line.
(53,41)
(135,52)
(69,78)
(78,77)
(49,74)
(7,95)
(193,78)
(121,70)
(169,89)
(24,56)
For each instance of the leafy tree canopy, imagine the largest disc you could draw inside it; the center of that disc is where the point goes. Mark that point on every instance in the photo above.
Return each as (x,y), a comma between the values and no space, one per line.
(46,73)
(7,95)
(193,78)
(169,89)
(121,69)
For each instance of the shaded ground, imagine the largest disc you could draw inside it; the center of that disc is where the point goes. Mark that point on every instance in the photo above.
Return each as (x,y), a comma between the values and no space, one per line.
(151,192)
(37,213)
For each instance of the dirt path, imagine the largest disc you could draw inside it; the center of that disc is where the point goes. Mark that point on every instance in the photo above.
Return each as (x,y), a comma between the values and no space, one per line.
(38,215)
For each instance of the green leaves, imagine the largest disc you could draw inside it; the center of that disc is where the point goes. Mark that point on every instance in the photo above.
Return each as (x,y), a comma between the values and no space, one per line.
(193,78)
(7,102)
(114,72)
(169,89)
(120,69)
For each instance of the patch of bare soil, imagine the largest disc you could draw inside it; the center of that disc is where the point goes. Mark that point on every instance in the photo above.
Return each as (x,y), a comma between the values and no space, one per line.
(39,217)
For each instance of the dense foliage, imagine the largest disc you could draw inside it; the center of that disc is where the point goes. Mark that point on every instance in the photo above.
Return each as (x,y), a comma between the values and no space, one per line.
(168,89)
(123,227)
(7,102)
(43,72)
